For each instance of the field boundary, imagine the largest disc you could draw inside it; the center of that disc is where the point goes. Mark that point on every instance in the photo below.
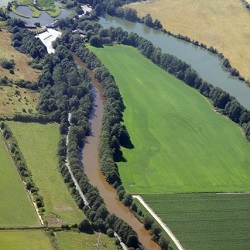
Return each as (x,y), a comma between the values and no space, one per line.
(158,219)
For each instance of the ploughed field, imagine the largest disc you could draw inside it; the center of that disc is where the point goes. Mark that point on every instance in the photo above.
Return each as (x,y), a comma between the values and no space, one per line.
(223,25)
(16,209)
(206,221)
(180,143)
(24,239)
(38,144)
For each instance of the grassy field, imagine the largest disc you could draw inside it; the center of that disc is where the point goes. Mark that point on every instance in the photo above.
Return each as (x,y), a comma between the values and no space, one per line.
(221,24)
(16,208)
(82,241)
(181,144)
(22,70)
(17,100)
(38,144)
(206,221)
(23,240)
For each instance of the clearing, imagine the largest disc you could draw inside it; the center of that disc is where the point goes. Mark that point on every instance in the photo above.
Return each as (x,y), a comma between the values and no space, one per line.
(223,25)
(17,100)
(22,71)
(180,143)
(38,144)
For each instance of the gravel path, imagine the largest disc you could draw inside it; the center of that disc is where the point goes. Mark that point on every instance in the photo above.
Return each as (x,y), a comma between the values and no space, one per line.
(157,218)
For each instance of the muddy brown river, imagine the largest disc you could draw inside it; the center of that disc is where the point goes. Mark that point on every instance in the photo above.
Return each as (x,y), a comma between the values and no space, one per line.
(96,178)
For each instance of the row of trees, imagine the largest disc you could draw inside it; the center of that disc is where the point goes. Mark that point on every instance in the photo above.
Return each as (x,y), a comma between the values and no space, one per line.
(21,165)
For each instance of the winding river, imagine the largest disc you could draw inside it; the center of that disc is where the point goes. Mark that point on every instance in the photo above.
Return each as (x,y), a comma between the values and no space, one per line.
(205,63)
(96,178)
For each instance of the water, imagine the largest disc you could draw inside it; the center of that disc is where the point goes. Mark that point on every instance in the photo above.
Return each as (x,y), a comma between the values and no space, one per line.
(96,178)
(205,63)
(44,18)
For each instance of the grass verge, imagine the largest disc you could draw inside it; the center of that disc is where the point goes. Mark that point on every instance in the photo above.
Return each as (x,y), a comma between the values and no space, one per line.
(16,209)
(24,239)
(38,144)
(205,221)
(180,143)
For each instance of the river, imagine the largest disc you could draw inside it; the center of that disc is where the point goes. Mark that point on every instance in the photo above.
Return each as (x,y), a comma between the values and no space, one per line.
(204,62)
(96,178)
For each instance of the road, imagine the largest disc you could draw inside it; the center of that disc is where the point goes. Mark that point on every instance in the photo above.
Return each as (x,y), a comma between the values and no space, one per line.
(162,224)
(71,174)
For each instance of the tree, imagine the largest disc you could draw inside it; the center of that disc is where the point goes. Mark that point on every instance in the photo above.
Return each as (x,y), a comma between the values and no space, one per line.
(84,226)
(95,41)
(163,243)
(147,222)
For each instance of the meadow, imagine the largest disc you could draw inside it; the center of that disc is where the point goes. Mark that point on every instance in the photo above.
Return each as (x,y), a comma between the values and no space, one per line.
(83,241)
(24,239)
(17,100)
(38,144)
(16,209)
(22,71)
(206,221)
(220,24)
(180,143)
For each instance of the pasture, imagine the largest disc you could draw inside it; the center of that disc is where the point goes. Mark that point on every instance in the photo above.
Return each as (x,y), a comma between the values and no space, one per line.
(83,241)
(38,144)
(22,71)
(17,100)
(23,240)
(223,25)
(206,221)
(180,143)
(16,209)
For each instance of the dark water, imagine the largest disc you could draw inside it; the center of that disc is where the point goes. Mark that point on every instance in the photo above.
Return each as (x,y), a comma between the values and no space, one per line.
(44,18)
(205,63)
(96,178)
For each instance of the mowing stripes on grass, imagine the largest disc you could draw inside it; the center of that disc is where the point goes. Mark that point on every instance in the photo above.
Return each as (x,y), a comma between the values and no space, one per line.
(206,221)
(38,144)
(16,208)
(181,144)
(24,240)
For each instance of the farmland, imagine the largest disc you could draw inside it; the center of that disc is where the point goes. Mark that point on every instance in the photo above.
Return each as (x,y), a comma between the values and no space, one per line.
(23,240)
(206,221)
(38,144)
(80,241)
(220,24)
(16,208)
(17,100)
(21,70)
(180,143)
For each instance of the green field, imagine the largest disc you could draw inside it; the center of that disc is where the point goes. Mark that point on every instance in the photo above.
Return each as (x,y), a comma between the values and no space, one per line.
(24,240)
(82,241)
(16,208)
(206,221)
(38,144)
(181,144)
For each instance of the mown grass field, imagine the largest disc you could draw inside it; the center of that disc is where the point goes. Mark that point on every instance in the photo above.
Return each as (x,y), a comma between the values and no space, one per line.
(83,241)
(206,221)
(16,208)
(181,144)
(17,100)
(22,70)
(221,24)
(23,240)
(38,144)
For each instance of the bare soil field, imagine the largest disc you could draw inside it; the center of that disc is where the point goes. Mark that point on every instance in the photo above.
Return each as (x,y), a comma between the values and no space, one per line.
(223,25)
(22,70)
